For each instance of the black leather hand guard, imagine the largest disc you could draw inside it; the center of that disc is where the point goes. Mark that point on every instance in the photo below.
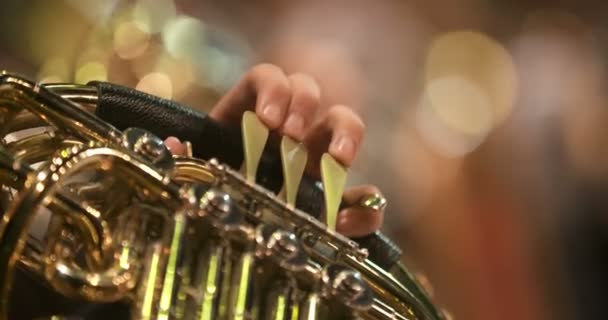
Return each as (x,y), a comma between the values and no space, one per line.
(125,107)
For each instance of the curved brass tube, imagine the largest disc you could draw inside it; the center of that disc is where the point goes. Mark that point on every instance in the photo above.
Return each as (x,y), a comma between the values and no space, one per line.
(41,185)
(59,112)
(154,258)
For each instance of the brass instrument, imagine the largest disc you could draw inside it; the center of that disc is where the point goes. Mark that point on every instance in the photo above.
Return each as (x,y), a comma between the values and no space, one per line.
(95,215)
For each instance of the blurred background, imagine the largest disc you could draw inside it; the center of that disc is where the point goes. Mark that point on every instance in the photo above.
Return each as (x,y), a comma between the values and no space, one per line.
(486,119)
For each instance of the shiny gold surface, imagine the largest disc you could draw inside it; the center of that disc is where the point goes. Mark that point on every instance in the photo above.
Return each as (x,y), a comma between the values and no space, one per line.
(373,201)
(196,240)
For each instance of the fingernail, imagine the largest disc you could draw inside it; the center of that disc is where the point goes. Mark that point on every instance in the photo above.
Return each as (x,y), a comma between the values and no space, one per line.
(172,144)
(343,147)
(272,114)
(294,125)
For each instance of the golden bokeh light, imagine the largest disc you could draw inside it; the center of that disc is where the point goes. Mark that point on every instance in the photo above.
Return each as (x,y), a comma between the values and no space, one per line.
(181,73)
(454,116)
(184,38)
(146,62)
(56,69)
(93,70)
(94,52)
(479,59)
(129,41)
(150,16)
(460,104)
(156,83)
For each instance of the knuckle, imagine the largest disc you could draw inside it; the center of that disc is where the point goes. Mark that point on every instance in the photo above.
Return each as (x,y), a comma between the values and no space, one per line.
(263,74)
(305,90)
(306,100)
(269,78)
(262,70)
(305,79)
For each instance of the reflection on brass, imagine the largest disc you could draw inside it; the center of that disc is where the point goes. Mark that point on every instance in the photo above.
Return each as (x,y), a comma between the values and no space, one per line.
(189,150)
(373,201)
(99,215)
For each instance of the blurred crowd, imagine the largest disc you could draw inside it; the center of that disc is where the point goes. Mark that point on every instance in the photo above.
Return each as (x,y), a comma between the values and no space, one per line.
(485,119)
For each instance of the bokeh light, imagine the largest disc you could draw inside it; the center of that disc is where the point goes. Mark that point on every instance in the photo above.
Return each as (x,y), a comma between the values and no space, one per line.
(94,70)
(156,83)
(181,73)
(150,16)
(470,88)
(481,60)
(454,116)
(129,41)
(183,38)
(471,107)
(55,69)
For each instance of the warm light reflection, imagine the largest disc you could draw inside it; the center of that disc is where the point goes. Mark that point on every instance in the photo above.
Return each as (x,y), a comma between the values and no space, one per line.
(129,41)
(148,60)
(454,116)
(156,83)
(90,71)
(180,73)
(54,70)
(484,62)
(184,38)
(150,16)
(460,104)
(94,51)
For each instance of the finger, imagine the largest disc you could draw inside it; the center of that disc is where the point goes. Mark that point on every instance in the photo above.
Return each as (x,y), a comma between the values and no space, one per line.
(357,219)
(305,101)
(348,130)
(264,88)
(340,133)
(175,146)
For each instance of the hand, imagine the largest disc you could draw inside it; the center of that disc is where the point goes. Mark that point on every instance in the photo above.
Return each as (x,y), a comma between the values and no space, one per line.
(290,105)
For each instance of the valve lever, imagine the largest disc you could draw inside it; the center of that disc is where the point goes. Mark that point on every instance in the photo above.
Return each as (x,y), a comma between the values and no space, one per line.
(255,135)
(293,157)
(333,175)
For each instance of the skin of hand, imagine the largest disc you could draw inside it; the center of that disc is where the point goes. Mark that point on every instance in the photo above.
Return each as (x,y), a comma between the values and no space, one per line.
(290,105)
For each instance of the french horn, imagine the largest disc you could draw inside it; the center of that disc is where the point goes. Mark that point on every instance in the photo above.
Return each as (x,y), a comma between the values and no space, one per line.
(97,215)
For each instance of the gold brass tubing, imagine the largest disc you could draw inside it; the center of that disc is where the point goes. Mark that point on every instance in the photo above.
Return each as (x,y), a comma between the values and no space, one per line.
(82,94)
(277,304)
(56,110)
(38,147)
(239,288)
(12,173)
(192,170)
(23,120)
(106,285)
(17,219)
(311,307)
(380,311)
(18,118)
(392,290)
(32,261)
(86,218)
(211,283)
(130,167)
(300,220)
